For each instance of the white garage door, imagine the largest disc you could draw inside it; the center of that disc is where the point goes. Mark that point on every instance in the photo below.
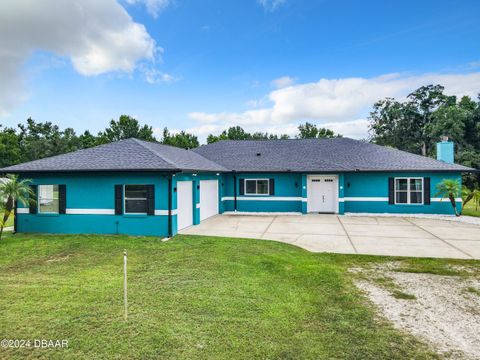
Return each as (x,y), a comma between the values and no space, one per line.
(184,204)
(208,198)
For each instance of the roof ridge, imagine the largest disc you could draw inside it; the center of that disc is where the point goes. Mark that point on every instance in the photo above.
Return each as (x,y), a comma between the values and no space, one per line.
(141,143)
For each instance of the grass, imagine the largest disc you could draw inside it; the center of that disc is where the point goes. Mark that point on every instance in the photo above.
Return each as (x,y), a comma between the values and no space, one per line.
(473,290)
(402,295)
(192,298)
(470,210)
(9,221)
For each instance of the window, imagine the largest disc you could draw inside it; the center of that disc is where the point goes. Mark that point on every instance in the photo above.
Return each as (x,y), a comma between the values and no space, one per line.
(48,199)
(257,187)
(135,199)
(408,190)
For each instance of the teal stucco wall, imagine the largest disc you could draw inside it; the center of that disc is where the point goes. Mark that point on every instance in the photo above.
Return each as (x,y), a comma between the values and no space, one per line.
(360,186)
(196,179)
(358,192)
(287,196)
(96,191)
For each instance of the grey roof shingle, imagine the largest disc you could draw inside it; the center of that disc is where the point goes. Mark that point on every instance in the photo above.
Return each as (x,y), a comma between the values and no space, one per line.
(126,155)
(317,155)
(306,155)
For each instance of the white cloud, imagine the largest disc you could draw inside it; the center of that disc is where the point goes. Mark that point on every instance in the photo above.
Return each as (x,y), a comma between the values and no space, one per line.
(154,7)
(96,36)
(283,82)
(155,76)
(271,5)
(340,104)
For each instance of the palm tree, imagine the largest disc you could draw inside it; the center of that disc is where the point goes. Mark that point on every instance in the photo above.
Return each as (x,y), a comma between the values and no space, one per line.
(468,195)
(450,189)
(12,191)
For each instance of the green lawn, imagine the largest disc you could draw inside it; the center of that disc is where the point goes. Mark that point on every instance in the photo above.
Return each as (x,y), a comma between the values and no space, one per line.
(9,221)
(470,210)
(193,297)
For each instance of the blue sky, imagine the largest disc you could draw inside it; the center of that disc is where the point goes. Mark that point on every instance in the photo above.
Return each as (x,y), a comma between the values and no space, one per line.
(205,65)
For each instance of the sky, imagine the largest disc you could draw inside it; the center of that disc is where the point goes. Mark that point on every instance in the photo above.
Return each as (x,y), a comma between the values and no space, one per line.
(205,65)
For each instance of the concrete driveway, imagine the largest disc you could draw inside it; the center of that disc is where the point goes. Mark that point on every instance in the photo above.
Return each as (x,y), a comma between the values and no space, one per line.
(352,235)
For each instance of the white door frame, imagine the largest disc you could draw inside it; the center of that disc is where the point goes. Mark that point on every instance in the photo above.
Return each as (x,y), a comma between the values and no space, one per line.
(322,176)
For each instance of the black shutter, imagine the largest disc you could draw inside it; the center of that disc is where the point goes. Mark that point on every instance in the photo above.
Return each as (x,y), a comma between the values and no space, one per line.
(118,199)
(62,199)
(391,191)
(426,191)
(151,199)
(272,186)
(242,186)
(33,203)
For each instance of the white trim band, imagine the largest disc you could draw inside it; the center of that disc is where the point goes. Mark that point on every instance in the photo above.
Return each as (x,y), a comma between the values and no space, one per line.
(365,198)
(96,212)
(90,211)
(260,198)
(165,212)
(445,199)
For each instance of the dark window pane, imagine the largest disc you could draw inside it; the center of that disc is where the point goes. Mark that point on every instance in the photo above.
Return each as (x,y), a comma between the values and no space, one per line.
(401,197)
(416,197)
(262,187)
(135,206)
(416,184)
(401,184)
(136,191)
(250,186)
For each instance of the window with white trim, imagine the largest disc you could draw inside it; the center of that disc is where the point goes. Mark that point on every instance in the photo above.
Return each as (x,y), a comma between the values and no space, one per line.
(135,197)
(48,199)
(409,191)
(257,186)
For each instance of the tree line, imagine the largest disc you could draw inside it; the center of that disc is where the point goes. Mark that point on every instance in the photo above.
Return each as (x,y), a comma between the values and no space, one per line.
(419,122)
(414,125)
(37,140)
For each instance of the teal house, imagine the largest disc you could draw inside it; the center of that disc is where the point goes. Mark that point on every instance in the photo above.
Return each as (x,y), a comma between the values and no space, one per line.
(142,188)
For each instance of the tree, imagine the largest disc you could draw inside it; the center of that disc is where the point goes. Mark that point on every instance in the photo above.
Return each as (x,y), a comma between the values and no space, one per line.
(87,140)
(426,100)
(416,124)
(126,127)
(311,131)
(238,133)
(407,126)
(12,191)
(10,152)
(181,139)
(450,189)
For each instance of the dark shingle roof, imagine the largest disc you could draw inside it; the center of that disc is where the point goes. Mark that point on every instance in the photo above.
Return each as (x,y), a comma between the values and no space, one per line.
(312,155)
(128,155)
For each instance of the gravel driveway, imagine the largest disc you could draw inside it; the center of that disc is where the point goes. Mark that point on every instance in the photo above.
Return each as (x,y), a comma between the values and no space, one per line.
(444,311)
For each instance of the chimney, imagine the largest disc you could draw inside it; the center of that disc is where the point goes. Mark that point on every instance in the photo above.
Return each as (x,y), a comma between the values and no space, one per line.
(445,150)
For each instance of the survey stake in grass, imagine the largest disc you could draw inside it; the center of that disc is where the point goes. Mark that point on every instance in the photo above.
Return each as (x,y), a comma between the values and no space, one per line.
(125,299)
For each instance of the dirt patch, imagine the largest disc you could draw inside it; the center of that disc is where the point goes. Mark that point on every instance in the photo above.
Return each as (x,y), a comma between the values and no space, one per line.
(442,310)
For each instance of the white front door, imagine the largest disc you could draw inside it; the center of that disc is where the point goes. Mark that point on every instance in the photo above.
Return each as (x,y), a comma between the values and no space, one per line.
(184,204)
(208,198)
(322,194)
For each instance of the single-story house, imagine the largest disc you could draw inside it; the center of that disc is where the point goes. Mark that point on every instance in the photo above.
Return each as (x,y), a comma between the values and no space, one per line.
(142,188)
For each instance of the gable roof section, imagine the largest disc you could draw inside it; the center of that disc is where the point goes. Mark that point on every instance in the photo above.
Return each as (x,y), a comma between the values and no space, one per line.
(124,155)
(317,155)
